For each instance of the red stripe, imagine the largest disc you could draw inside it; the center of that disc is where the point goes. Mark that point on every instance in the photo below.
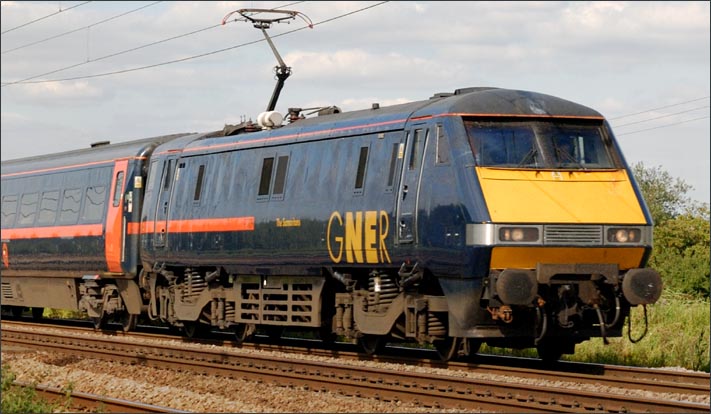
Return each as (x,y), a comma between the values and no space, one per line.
(148,227)
(133,228)
(114,230)
(81,230)
(211,225)
(199,225)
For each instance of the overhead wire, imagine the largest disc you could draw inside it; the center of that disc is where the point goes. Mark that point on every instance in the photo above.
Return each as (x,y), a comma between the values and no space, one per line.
(25,80)
(29,81)
(44,17)
(664,126)
(656,109)
(81,28)
(661,116)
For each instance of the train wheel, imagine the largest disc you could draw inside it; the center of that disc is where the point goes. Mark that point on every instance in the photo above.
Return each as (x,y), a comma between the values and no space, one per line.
(193,329)
(98,322)
(128,321)
(241,332)
(447,348)
(37,313)
(372,344)
(471,347)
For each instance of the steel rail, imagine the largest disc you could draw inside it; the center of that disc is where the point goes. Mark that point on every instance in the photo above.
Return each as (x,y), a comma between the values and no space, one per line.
(437,391)
(81,400)
(649,379)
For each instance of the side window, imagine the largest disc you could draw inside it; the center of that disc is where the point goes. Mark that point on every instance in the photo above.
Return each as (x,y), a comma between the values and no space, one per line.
(266,177)
(198,183)
(9,210)
(28,209)
(394,156)
(117,188)
(48,207)
(94,204)
(280,179)
(416,150)
(168,174)
(272,184)
(71,202)
(442,146)
(360,173)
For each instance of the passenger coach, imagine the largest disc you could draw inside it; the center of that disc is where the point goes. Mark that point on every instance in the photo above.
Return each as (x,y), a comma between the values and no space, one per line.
(70,229)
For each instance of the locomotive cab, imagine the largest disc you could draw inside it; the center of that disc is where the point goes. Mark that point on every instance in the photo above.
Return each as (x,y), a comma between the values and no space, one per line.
(568,230)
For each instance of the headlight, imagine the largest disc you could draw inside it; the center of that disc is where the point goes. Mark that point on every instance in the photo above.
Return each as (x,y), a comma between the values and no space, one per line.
(624,235)
(519,234)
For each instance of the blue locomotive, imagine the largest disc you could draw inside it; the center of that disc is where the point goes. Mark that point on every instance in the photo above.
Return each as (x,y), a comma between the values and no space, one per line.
(485,215)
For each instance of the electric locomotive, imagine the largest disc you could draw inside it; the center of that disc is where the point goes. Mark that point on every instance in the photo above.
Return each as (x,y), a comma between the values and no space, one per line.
(485,215)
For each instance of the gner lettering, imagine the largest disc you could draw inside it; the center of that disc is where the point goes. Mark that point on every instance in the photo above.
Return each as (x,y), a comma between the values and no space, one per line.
(361,235)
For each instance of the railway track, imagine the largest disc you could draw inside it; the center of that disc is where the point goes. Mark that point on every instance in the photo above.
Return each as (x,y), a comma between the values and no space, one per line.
(426,389)
(82,401)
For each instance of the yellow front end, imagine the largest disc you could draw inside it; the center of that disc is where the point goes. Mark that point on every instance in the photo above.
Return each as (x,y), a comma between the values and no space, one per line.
(566,198)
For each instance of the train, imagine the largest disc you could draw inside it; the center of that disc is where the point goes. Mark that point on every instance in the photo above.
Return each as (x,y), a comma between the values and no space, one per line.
(480,216)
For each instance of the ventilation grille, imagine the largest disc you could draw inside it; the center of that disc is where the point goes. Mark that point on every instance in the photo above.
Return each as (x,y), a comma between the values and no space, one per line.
(573,235)
(7,291)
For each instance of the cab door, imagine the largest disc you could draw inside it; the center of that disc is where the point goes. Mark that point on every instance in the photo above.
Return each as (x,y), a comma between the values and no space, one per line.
(409,189)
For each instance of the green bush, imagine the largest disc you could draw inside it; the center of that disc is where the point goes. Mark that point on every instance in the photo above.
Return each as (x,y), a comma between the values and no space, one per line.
(21,399)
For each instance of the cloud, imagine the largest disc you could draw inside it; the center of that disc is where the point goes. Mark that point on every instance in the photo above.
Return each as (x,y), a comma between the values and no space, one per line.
(78,93)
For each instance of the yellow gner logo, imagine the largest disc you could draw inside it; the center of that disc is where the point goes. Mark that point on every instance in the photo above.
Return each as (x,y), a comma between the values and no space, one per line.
(362,236)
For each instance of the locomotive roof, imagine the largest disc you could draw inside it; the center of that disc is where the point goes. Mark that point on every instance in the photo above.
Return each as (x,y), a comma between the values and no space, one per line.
(482,101)
(101,152)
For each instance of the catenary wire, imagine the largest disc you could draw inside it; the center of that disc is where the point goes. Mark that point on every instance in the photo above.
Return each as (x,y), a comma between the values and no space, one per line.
(27,81)
(655,109)
(44,17)
(663,126)
(81,28)
(661,116)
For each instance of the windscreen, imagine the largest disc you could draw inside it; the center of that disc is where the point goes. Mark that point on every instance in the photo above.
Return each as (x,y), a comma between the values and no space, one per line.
(540,145)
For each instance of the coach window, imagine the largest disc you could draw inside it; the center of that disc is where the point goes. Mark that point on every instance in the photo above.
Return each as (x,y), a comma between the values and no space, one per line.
(48,207)
(117,188)
(360,173)
(71,201)
(442,146)
(9,210)
(94,204)
(28,209)
(198,184)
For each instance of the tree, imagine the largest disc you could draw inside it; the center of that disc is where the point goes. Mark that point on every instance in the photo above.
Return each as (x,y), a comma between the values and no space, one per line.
(666,196)
(681,232)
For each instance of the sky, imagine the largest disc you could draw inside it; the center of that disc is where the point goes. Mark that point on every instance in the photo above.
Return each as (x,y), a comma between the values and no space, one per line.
(76,72)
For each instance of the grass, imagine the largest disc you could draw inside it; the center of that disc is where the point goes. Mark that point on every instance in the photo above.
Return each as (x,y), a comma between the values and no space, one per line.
(23,399)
